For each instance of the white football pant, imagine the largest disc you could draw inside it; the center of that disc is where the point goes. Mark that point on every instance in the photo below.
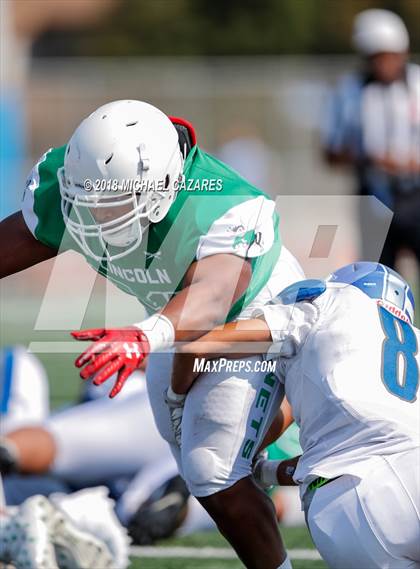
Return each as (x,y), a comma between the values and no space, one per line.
(371,522)
(226,414)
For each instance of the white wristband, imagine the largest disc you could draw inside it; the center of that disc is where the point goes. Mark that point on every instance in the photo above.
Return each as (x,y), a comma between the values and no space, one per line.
(269,472)
(159,331)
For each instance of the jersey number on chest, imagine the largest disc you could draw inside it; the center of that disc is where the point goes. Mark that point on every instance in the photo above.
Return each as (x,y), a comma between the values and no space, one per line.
(400,371)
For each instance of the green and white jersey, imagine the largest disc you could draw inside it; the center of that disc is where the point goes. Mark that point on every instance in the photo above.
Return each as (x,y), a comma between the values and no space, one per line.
(215,211)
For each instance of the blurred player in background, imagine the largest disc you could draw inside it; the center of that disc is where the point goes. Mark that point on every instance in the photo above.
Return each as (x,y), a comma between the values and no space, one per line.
(54,454)
(373,124)
(348,355)
(80,531)
(45,534)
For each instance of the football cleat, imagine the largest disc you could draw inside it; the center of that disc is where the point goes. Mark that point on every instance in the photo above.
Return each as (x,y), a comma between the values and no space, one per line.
(162,514)
(76,549)
(93,513)
(25,537)
(40,536)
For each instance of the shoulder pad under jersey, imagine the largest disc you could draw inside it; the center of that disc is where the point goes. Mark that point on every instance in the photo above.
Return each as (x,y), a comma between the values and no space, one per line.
(302,290)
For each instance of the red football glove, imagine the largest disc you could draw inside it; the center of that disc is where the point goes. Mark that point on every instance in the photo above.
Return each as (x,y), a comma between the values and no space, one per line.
(118,350)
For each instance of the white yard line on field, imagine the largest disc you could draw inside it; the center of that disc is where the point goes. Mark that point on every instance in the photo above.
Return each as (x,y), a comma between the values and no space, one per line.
(209,552)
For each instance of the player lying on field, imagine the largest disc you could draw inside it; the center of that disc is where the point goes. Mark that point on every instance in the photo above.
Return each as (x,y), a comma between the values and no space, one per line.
(348,355)
(43,452)
(197,245)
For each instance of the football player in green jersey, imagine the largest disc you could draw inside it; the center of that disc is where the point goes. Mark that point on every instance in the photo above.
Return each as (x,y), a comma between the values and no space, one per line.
(197,245)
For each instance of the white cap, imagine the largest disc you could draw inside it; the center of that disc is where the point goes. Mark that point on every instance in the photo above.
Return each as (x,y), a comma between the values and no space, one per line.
(377,31)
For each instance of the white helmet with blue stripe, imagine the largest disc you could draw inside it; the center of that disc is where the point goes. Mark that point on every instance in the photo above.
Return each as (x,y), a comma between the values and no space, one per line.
(381,283)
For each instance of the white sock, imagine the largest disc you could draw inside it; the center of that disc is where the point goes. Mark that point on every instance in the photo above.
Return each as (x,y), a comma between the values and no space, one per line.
(268,472)
(286,564)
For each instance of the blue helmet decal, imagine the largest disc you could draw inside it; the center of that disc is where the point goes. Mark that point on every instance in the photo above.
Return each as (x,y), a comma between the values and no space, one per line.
(381,283)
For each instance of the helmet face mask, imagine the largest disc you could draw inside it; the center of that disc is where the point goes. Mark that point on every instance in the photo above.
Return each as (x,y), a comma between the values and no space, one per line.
(119,175)
(123,231)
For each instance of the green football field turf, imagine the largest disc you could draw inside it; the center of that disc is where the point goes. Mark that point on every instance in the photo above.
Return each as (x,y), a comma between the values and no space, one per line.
(185,563)
(295,539)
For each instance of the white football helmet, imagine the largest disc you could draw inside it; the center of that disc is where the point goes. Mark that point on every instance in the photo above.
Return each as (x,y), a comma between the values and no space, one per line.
(377,31)
(120,172)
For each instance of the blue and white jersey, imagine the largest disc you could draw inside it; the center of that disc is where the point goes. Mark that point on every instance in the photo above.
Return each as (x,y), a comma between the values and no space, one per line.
(351,373)
(373,121)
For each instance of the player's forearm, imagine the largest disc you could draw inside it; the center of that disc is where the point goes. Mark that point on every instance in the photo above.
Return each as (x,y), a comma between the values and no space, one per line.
(195,310)
(183,375)
(286,470)
(276,472)
(20,248)
(280,424)
(397,168)
(235,339)
(188,316)
(212,286)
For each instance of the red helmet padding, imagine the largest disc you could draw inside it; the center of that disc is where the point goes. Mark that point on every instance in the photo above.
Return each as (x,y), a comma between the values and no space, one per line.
(188,125)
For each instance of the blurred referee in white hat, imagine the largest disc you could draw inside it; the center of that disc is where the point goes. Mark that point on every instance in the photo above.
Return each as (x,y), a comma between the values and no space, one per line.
(373,124)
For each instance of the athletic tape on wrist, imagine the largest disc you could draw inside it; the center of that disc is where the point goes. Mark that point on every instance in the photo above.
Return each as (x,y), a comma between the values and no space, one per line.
(269,472)
(159,331)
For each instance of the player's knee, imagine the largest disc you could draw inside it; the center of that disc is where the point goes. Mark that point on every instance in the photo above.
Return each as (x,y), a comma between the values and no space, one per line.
(206,475)
(238,502)
(202,472)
